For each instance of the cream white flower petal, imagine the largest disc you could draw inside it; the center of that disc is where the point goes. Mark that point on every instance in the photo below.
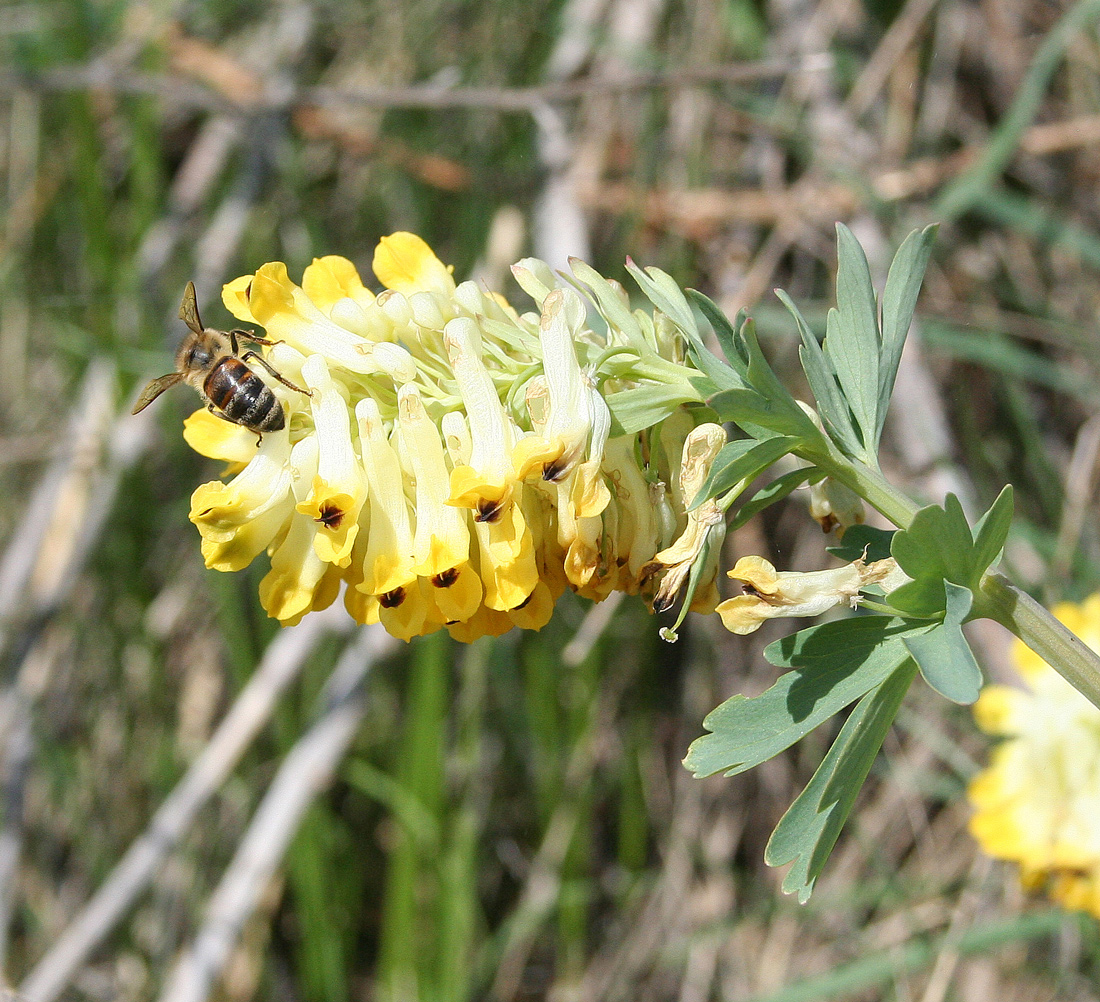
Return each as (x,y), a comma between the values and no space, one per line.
(770,593)
(491,431)
(339,487)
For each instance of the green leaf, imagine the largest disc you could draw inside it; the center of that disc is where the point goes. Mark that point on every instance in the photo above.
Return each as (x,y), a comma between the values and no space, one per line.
(763,379)
(822,379)
(767,405)
(939,546)
(936,547)
(610,304)
(852,336)
(741,461)
(943,655)
(642,407)
(991,530)
(773,492)
(755,414)
(863,541)
(899,299)
(832,665)
(808,831)
(661,290)
(724,331)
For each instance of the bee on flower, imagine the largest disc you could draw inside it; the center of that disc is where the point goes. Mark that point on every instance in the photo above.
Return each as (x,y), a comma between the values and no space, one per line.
(455,464)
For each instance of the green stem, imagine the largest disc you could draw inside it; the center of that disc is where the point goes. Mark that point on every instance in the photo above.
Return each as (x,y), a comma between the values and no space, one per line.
(1035,626)
(869,484)
(997,599)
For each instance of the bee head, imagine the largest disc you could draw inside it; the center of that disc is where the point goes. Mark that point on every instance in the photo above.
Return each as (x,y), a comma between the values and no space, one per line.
(199,352)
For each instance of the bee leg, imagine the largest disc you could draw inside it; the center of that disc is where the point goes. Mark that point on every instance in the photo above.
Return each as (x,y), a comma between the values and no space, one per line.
(267,365)
(253,337)
(217,413)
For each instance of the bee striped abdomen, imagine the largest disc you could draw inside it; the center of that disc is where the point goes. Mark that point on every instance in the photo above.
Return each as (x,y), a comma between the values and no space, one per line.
(242,396)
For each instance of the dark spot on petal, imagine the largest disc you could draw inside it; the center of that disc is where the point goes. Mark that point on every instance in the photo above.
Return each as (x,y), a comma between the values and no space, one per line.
(392,599)
(488,511)
(553,472)
(331,516)
(664,603)
(748,589)
(446,578)
(248,290)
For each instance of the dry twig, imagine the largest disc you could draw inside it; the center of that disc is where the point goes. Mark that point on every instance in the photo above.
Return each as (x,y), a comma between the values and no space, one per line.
(307,769)
(280,666)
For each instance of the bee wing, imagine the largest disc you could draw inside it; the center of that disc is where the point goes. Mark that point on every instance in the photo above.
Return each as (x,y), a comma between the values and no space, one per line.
(155,389)
(189,310)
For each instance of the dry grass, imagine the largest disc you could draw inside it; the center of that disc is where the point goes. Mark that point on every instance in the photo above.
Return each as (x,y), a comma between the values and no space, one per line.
(511,821)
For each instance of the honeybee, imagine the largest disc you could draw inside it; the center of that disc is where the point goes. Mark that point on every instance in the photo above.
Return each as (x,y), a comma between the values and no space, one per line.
(210,360)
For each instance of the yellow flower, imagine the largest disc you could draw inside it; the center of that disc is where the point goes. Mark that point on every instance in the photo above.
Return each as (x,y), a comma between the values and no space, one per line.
(567,450)
(452,464)
(299,580)
(1038,801)
(405,263)
(770,593)
(238,520)
(704,531)
(441,547)
(339,487)
(210,435)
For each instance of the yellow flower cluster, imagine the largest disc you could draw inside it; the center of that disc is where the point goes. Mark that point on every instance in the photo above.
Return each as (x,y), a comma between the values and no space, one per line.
(456,464)
(1038,802)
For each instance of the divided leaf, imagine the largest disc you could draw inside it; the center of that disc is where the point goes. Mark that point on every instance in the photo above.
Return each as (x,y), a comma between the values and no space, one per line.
(899,299)
(943,654)
(773,492)
(831,665)
(939,546)
(852,336)
(808,831)
(991,530)
(741,461)
(724,331)
(863,541)
(821,376)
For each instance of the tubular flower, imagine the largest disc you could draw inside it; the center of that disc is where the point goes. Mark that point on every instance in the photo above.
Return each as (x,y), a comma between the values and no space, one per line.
(769,593)
(1037,802)
(705,528)
(456,464)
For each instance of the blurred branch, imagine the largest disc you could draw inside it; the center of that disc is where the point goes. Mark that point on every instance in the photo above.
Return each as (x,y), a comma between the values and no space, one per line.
(180,90)
(281,664)
(33,559)
(307,769)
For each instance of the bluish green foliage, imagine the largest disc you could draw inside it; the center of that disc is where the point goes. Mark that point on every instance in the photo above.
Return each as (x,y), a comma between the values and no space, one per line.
(944,657)
(830,666)
(939,546)
(808,831)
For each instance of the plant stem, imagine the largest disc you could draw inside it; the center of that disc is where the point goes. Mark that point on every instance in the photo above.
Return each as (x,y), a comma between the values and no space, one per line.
(997,599)
(870,485)
(1066,653)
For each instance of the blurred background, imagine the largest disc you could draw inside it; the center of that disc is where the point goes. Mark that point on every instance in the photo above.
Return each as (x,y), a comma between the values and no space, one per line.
(508,820)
